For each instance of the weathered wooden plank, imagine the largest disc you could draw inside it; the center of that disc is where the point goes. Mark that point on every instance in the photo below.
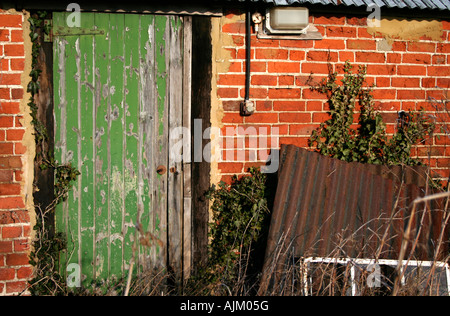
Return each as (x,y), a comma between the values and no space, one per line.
(187,167)
(131,97)
(146,139)
(116,149)
(175,176)
(87,175)
(162,33)
(59,49)
(101,177)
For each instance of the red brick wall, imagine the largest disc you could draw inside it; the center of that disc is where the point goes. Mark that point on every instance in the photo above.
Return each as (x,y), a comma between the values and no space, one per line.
(15,227)
(405,75)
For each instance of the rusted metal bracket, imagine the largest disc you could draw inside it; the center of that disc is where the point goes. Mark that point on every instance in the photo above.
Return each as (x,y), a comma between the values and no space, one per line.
(69,31)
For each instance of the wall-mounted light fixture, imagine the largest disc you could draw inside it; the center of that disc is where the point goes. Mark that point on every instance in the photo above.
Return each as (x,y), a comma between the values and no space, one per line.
(285,23)
(287,20)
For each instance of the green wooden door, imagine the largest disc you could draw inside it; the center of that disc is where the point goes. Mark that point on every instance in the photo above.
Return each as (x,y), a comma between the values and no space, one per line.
(119,83)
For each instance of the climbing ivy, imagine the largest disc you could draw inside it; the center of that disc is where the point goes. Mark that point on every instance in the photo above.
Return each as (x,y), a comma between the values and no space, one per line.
(47,244)
(366,141)
(240,211)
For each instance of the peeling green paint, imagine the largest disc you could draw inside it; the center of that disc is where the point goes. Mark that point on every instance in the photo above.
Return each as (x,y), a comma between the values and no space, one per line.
(111,111)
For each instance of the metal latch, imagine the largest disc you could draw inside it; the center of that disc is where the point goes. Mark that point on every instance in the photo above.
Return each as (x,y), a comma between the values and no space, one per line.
(69,31)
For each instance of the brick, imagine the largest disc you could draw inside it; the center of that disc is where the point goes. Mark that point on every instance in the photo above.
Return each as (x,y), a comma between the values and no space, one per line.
(346,56)
(238,27)
(421,47)
(312,94)
(341,31)
(10,20)
(14,134)
(361,44)
(404,70)
(322,56)
(382,82)
(17,259)
(297,55)
(284,67)
(16,36)
(264,80)
(10,189)
(16,287)
(17,64)
(255,93)
(6,121)
(289,105)
(384,94)
(443,83)
(11,232)
(11,203)
(330,44)
(443,48)
(262,118)
(264,105)
(10,79)
(406,82)
(296,44)
(9,108)
(232,118)
(271,54)
(315,68)
(368,57)
(7,274)
(6,148)
(5,246)
(417,59)
(258,43)
(24,272)
(21,245)
(19,149)
(393,58)
(295,117)
(6,175)
(228,92)
(410,94)
(231,80)
(296,141)
(286,80)
(18,175)
(282,93)
(16,94)
(440,71)
(5,93)
(14,50)
(257,66)
(302,129)
(319,117)
(357,21)
(231,167)
(429,82)
(242,54)
(4,35)
(314,106)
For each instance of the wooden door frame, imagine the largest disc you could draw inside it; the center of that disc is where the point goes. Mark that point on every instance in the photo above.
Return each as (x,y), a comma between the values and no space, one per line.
(44,179)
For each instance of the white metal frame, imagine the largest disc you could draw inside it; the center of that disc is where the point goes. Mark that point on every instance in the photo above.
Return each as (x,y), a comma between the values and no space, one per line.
(368,262)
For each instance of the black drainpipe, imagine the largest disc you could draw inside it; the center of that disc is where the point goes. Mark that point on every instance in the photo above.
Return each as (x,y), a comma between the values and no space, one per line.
(248,107)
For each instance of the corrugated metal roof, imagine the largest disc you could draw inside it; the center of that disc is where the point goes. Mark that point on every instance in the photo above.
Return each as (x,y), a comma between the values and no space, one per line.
(326,207)
(412,4)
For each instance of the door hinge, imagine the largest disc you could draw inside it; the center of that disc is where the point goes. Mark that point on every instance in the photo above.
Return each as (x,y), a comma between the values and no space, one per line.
(69,31)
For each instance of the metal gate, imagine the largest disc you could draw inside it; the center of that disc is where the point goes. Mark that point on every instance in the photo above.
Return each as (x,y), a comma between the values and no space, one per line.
(121,87)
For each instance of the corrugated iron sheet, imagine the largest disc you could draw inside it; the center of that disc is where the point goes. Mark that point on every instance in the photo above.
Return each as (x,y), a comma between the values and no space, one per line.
(412,4)
(326,207)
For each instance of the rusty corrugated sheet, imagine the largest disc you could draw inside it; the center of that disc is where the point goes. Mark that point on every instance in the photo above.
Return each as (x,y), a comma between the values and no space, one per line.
(326,207)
